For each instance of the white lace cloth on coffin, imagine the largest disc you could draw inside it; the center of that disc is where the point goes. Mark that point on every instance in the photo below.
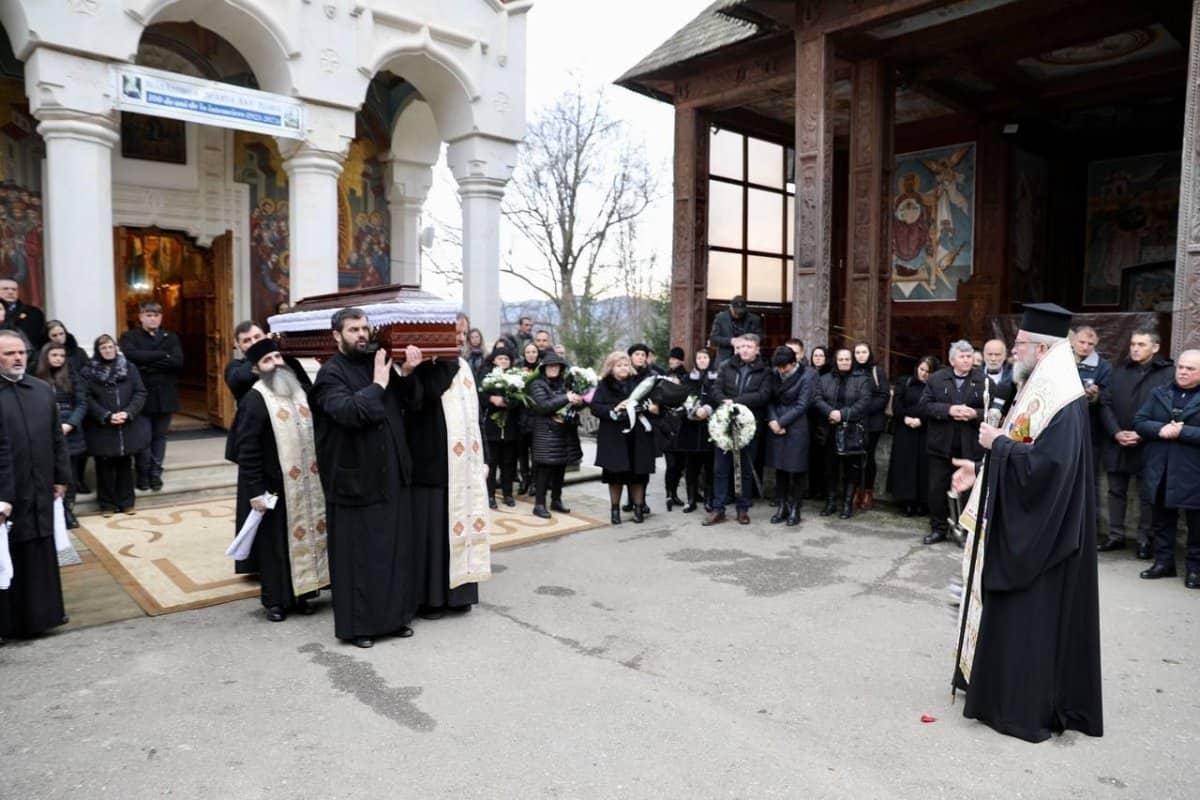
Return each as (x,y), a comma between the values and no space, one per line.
(411,308)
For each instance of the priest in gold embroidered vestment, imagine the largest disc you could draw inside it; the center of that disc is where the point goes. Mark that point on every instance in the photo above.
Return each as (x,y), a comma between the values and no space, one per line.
(1028,651)
(277,453)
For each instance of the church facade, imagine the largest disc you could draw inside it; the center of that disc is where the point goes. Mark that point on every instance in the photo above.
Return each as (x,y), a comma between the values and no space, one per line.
(224,157)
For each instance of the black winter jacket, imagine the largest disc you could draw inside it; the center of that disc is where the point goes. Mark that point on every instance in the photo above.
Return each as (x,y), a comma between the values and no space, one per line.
(752,390)
(1128,390)
(950,438)
(159,358)
(555,443)
(112,387)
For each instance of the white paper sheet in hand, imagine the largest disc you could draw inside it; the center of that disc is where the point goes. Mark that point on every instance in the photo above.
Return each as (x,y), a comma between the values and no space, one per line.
(240,548)
(62,540)
(6,566)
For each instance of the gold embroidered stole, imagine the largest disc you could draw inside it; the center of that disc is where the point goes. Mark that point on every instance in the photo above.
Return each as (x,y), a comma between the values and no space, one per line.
(291,422)
(466,492)
(1053,385)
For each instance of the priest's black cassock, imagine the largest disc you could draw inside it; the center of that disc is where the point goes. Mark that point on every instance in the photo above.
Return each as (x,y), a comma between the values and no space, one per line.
(39,459)
(258,472)
(1037,661)
(431,480)
(240,377)
(366,472)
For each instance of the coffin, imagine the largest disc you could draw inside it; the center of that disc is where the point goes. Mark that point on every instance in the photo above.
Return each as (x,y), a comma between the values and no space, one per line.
(399,316)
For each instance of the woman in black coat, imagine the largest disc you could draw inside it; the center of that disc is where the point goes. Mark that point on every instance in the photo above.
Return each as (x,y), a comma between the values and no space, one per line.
(881,392)
(843,396)
(820,360)
(908,471)
(501,453)
(625,458)
(692,442)
(787,432)
(71,396)
(530,360)
(555,439)
(114,428)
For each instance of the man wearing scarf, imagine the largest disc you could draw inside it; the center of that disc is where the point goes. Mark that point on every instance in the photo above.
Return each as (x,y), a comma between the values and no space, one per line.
(276,453)
(358,402)
(1029,628)
(31,439)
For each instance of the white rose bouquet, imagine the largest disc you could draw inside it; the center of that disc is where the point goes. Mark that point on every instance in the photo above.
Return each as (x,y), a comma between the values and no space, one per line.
(581,381)
(510,384)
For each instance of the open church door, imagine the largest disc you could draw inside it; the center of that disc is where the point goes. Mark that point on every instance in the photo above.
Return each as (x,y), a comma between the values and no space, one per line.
(220,332)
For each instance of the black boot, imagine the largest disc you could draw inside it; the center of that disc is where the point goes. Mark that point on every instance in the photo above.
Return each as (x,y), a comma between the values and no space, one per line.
(556,504)
(794,514)
(616,515)
(539,510)
(638,515)
(848,502)
(691,503)
(780,514)
(673,500)
(830,503)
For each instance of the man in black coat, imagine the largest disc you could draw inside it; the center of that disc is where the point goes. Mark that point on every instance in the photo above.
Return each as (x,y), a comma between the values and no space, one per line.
(1170,424)
(1129,388)
(745,380)
(33,447)
(240,375)
(952,407)
(728,325)
(158,355)
(23,317)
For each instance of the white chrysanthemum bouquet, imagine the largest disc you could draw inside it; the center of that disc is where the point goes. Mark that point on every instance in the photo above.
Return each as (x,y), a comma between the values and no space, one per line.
(510,383)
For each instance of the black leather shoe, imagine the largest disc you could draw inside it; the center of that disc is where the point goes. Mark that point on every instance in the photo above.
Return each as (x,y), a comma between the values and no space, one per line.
(743,518)
(830,506)
(1145,552)
(1110,545)
(645,510)
(540,511)
(404,632)
(509,500)
(933,537)
(142,485)
(492,503)
(713,518)
(304,607)
(1158,571)
(780,514)
(673,500)
(615,516)
(431,613)
(638,516)
(689,508)
(557,505)
(156,484)
(794,515)
(364,642)
(276,614)
(627,507)
(1192,581)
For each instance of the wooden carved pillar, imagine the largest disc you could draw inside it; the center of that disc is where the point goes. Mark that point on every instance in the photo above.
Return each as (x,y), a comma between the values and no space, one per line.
(689,270)
(814,188)
(1185,325)
(868,277)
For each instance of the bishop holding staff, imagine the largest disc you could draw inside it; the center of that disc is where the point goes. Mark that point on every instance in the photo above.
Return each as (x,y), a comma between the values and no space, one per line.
(1029,631)
(277,453)
(358,400)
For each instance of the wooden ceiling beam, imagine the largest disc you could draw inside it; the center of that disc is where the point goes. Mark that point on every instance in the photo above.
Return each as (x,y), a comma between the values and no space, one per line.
(1112,84)
(735,83)
(752,123)
(816,17)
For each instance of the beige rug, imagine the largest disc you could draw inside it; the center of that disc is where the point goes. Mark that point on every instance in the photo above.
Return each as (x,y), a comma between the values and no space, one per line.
(170,559)
(518,525)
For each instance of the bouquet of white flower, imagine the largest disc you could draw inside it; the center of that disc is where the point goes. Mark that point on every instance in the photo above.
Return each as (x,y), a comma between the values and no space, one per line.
(580,380)
(510,383)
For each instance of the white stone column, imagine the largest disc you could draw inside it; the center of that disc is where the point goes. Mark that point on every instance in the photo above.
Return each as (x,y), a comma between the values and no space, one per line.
(408,187)
(72,99)
(312,221)
(482,166)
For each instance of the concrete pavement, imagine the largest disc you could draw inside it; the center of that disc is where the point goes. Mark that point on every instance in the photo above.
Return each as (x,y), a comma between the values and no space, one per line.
(654,660)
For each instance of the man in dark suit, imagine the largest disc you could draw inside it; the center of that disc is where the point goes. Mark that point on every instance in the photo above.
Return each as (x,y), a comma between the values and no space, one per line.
(158,355)
(1170,424)
(29,320)
(728,325)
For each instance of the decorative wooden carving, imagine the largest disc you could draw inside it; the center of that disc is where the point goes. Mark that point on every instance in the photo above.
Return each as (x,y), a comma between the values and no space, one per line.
(868,280)
(772,69)
(1185,333)
(689,270)
(814,188)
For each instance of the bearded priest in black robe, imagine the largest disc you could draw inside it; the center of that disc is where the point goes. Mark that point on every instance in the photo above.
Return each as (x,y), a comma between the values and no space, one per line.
(276,452)
(36,453)
(358,402)
(1029,635)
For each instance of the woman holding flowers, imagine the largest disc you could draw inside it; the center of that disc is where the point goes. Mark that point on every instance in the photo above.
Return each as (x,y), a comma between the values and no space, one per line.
(692,442)
(555,442)
(624,451)
(500,412)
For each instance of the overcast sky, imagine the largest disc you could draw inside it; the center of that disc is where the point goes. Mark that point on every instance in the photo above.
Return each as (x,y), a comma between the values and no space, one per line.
(594,43)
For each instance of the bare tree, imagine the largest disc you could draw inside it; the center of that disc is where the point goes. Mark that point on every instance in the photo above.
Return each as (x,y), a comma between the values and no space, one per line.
(578,190)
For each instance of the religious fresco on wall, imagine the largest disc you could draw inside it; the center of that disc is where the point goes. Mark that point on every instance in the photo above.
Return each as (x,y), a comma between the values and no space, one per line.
(364,239)
(933,222)
(21,229)
(258,164)
(1132,215)
(1028,209)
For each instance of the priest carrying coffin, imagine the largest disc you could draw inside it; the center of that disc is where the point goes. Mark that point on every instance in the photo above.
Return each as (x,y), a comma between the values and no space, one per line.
(1029,628)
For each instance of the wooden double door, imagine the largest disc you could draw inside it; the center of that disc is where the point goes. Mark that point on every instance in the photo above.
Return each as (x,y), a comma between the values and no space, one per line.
(194,286)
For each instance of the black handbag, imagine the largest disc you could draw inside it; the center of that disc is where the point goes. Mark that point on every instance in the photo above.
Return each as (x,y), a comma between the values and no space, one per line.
(850,439)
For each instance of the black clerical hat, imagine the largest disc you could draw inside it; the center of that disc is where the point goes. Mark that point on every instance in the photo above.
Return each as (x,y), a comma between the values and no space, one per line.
(256,351)
(1046,318)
